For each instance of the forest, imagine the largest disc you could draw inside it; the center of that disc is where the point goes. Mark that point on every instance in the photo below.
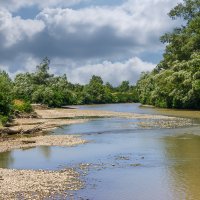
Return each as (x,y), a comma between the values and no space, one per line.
(175,82)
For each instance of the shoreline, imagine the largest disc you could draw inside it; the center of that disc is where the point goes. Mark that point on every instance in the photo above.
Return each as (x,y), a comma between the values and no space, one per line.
(50,119)
(39,184)
(46,140)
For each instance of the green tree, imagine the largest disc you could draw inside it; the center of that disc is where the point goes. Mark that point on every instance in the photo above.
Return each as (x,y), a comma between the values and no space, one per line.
(95,91)
(5,96)
(24,86)
(42,76)
(124,87)
(175,82)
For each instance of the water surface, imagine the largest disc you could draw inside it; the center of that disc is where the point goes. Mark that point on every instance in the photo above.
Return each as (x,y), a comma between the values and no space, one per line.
(127,162)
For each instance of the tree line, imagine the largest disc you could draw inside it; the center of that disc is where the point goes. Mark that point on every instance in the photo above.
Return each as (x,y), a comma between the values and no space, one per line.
(56,91)
(175,82)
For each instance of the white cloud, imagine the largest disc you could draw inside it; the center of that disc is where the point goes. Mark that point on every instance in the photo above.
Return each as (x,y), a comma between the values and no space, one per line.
(15,29)
(87,35)
(114,72)
(142,22)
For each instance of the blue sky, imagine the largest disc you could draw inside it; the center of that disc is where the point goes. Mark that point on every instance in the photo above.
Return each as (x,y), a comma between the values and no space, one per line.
(116,39)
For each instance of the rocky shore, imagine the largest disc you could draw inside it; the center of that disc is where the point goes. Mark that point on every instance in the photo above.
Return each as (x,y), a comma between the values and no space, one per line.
(39,184)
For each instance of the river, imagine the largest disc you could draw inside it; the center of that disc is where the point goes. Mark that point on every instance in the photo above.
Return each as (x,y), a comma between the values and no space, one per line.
(124,161)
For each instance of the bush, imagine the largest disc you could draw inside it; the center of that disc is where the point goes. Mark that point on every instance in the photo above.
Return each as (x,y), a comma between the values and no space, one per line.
(3,120)
(22,106)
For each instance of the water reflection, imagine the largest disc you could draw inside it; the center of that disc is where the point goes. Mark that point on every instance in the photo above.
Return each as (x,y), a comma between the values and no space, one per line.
(138,108)
(45,151)
(6,159)
(183,152)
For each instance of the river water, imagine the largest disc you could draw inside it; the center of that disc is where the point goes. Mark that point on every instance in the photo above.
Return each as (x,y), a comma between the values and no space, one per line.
(124,161)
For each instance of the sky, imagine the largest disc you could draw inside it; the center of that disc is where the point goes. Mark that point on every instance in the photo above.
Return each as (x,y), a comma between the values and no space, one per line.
(114,39)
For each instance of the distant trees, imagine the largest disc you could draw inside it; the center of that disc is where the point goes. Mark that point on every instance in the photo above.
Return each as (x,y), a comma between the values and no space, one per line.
(56,91)
(175,82)
(95,91)
(42,87)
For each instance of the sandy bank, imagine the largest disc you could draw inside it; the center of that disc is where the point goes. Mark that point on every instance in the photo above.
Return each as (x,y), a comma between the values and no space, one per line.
(76,113)
(40,184)
(44,124)
(48,140)
(52,118)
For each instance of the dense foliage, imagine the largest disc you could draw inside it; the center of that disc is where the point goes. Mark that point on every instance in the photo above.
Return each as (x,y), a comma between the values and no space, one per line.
(56,91)
(5,97)
(175,82)
(22,106)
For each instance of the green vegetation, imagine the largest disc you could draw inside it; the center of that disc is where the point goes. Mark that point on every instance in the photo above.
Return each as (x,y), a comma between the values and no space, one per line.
(6,86)
(175,82)
(7,103)
(56,91)
(22,106)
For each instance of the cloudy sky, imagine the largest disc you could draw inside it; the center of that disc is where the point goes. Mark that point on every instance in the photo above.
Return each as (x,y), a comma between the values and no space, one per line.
(116,39)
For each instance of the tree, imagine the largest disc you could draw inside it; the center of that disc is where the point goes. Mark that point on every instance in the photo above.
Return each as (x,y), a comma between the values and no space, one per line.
(95,90)
(124,87)
(24,86)
(175,82)
(42,76)
(5,96)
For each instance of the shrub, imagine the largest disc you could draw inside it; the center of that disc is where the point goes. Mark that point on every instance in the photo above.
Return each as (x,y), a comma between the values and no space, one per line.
(22,106)
(3,120)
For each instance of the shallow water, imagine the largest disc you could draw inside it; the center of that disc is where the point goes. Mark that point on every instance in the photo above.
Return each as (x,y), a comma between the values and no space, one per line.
(127,162)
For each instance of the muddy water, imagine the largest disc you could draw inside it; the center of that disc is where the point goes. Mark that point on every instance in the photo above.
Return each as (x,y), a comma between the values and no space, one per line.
(124,162)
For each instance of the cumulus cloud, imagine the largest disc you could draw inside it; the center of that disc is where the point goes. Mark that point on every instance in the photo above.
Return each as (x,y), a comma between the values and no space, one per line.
(14,29)
(124,30)
(86,35)
(114,72)
(95,32)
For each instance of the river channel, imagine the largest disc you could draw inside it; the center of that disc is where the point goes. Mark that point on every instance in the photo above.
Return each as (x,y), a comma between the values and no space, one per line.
(123,161)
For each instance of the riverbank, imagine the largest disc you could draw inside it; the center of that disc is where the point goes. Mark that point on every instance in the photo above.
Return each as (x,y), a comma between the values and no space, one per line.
(52,118)
(47,140)
(49,119)
(39,184)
